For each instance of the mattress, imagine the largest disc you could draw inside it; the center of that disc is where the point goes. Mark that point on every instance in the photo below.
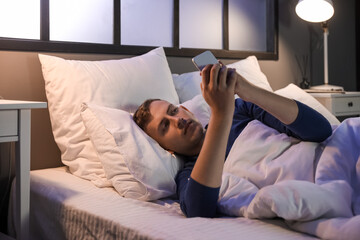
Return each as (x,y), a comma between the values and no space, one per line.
(64,206)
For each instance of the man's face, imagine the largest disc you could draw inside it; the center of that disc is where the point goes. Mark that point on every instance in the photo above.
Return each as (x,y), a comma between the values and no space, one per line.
(175,128)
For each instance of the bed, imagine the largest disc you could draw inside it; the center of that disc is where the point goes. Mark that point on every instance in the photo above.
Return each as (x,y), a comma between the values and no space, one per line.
(64,206)
(118,183)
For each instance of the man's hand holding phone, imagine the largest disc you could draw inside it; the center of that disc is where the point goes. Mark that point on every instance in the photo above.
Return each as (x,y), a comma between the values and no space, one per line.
(217,84)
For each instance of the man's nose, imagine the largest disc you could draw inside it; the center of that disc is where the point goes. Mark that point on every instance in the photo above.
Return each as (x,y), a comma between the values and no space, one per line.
(181,123)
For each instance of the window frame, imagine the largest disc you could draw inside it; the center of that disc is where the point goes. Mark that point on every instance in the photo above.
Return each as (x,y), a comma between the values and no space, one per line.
(47,45)
(357,39)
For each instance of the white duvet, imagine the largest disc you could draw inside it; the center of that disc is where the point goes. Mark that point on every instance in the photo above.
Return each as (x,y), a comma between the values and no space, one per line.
(314,186)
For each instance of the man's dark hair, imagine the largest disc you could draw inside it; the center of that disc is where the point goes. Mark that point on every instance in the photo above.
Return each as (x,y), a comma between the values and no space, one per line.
(142,116)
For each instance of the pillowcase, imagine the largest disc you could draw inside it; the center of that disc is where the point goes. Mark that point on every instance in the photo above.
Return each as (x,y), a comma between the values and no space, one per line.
(294,92)
(122,84)
(188,84)
(137,165)
(249,68)
(199,107)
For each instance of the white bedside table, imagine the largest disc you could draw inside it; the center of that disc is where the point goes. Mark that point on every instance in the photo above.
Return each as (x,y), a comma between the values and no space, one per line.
(340,104)
(15,122)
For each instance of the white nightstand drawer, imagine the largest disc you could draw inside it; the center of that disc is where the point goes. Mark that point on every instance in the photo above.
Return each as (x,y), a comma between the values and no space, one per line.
(340,104)
(8,123)
(346,105)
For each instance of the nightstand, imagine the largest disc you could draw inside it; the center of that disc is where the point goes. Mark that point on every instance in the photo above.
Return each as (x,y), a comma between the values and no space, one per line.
(342,105)
(15,123)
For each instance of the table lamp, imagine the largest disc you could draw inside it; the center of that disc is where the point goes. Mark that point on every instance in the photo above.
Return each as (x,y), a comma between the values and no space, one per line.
(319,11)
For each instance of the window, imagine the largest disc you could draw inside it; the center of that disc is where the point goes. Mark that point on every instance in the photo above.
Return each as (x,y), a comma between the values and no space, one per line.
(250,17)
(201,24)
(153,28)
(20,19)
(229,28)
(82,20)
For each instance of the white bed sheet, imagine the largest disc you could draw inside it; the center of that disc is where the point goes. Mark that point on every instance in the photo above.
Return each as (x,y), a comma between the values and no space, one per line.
(64,206)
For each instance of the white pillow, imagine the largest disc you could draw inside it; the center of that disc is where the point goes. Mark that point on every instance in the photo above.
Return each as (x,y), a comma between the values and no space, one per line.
(123,83)
(135,163)
(188,84)
(199,107)
(294,92)
(249,68)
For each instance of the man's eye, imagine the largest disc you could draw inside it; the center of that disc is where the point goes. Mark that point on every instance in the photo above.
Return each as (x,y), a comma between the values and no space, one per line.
(165,126)
(175,111)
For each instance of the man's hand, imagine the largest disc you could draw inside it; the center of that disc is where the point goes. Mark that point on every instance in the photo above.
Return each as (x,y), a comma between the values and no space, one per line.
(218,87)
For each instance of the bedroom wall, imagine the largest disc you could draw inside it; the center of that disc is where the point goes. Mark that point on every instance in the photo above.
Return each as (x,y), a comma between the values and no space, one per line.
(21,77)
(342,47)
(294,39)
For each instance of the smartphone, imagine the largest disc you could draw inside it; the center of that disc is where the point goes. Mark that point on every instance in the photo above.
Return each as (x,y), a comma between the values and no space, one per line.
(204,59)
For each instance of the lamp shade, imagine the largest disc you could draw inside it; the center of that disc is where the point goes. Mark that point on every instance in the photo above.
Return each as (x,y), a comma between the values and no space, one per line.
(315,10)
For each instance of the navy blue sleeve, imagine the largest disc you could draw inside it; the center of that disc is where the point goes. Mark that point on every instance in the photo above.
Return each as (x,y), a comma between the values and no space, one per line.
(308,126)
(196,200)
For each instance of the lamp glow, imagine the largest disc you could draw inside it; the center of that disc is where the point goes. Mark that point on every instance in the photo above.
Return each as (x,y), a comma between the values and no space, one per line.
(315,10)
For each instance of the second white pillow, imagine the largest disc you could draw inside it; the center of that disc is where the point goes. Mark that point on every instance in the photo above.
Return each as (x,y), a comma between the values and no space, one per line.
(188,84)
(135,163)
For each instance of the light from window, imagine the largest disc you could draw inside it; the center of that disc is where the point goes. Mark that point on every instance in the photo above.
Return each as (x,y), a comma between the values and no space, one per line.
(247,25)
(201,24)
(82,20)
(147,22)
(20,19)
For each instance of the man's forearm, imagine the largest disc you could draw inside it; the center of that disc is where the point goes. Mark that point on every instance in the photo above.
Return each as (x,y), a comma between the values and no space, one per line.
(208,167)
(284,109)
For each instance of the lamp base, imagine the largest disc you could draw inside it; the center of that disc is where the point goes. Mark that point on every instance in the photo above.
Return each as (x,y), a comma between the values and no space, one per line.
(327,88)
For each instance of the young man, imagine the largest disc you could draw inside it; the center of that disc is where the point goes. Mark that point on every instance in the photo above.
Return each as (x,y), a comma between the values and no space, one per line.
(177,130)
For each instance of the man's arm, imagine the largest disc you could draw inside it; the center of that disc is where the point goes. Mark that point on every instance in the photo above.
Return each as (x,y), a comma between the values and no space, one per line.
(309,125)
(196,200)
(298,119)
(284,109)
(218,90)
